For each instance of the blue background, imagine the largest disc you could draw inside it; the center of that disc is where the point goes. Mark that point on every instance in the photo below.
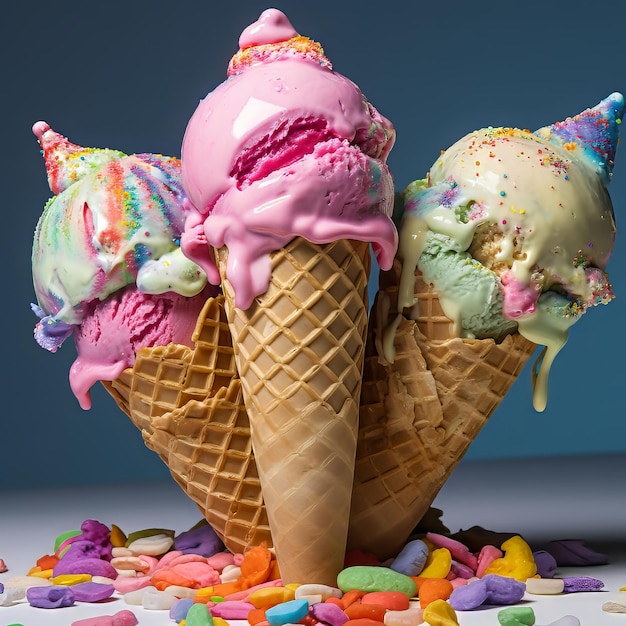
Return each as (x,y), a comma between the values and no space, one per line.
(128,75)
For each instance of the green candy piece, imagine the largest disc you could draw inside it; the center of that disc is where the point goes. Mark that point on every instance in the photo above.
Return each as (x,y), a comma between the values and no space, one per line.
(374,578)
(516,616)
(199,615)
(68,534)
(148,532)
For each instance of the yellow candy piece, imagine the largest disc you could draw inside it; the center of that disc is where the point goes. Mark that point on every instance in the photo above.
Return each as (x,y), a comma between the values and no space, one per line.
(267,597)
(70,579)
(205,592)
(518,561)
(118,537)
(37,572)
(217,621)
(437,564)
(440,613)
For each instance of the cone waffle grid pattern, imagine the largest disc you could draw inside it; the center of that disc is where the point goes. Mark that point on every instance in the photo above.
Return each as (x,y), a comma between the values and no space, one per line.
(299,351)
(189,406)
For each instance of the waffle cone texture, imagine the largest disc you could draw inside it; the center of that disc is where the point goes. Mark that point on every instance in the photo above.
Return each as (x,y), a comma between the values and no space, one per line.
(419,413)
(188,404)
(417,417)
(299,351)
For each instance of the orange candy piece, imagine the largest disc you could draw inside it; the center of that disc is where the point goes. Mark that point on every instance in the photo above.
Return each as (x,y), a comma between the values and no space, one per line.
(360,610)
(392,600)
(256,616)
(432,589)
(257,567)
(363,621)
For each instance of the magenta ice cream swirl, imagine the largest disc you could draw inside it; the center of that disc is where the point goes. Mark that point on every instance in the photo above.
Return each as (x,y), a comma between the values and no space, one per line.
(106,259)
(285,147)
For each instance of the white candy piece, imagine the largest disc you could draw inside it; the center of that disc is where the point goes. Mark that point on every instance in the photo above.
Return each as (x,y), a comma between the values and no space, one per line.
(545,586)
(411,617)
(26,581)
(311,590)
(567,620)
(135,598)
(154,545)
(230,573)
(11,595)
(180,592)
(156,600)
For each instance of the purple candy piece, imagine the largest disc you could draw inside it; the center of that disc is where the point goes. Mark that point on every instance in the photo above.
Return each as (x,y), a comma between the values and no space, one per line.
(411,559)
(328,613)
(87,565)
(575,552)
(80,549)
(179,609)
(202,540)
(99,535)
(1,588)
(469,596)
(503,589)
(232,609)
(461,570)
(574,584)
(92,592)
(546,563)
(51,597)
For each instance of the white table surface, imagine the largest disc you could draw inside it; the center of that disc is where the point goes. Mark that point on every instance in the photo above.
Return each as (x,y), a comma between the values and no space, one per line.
(541,499)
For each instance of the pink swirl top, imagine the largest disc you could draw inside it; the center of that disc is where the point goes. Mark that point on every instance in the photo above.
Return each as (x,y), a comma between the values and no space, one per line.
(284,147)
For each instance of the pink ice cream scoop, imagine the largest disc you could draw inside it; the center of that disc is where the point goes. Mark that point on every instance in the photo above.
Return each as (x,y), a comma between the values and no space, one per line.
(106,259)
(285,147)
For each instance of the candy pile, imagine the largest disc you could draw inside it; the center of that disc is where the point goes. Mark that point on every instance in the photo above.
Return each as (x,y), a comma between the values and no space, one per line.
(195,579)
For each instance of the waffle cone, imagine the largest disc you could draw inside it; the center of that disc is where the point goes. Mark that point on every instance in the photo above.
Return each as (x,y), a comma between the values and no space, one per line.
(188,405)
(299,351)
(419,413)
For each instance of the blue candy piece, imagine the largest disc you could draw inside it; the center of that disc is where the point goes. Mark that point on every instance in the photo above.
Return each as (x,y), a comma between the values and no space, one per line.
(179,609)
(546,564)
(411,559)
(51,597)
(287,612)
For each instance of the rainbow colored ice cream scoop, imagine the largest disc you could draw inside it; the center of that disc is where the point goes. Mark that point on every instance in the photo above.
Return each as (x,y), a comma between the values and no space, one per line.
(115,220)
(284,147)
(514,230)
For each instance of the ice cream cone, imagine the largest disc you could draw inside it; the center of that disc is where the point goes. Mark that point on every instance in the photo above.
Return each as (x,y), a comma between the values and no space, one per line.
(299,350)
(419,413)
(188,405)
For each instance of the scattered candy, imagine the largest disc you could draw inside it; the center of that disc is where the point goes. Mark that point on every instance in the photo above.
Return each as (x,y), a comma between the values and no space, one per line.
(574,584)
(491,589)
(516,616)
(369,578)
(121,618)
(546,563)
(411,559)
(287,612)
(152,545)
(437,564)
(92,592)
(198,615)
(567,620)
(411,617)
(458,550)
(432,589)
(518,561)
(201,540)
(3,566)
(328,613)
(52,597)
(545,586)
(615,605)
(178,611)
(440,613)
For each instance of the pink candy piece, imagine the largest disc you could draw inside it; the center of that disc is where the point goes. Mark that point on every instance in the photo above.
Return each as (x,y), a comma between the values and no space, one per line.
(243,595)
(198,571)
(122,618)
(3,567)
(151,561)
(167,559)
(220,560)
(487,555)
(459,551)
(124,585)
(232,609)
